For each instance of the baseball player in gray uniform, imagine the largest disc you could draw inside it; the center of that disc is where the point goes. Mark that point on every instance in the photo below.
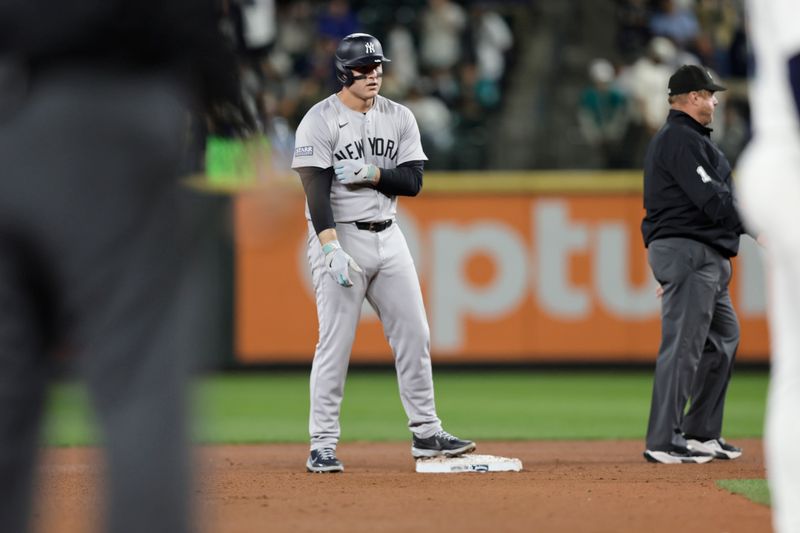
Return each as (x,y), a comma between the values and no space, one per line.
(356,152)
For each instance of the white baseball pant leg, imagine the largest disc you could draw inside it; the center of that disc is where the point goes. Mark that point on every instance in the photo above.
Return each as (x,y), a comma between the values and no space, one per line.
(782,432)
(390,283)
(338,313)
(770,195)
(394,292)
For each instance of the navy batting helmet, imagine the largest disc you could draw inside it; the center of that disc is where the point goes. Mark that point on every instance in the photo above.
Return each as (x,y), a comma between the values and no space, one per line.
(357,50)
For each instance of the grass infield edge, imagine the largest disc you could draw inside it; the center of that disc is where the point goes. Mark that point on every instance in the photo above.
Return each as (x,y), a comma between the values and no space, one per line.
(755,490)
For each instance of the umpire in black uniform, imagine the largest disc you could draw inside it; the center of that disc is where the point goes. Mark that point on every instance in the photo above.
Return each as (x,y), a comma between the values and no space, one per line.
(96,247)
(691,230)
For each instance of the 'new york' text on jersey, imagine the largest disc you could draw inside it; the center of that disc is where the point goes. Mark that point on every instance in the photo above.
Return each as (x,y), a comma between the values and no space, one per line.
(385,136)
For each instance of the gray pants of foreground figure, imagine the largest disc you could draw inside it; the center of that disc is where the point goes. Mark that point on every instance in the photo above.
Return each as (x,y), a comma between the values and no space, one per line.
(91,259)
(699,338)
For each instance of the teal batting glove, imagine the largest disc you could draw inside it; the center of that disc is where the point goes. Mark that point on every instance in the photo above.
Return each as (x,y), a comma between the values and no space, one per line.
(339,263)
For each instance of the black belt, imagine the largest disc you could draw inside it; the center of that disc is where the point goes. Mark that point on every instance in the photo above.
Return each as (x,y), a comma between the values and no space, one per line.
(374,226)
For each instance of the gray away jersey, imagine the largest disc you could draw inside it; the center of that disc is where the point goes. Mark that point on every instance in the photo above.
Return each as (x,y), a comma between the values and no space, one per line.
(385,136)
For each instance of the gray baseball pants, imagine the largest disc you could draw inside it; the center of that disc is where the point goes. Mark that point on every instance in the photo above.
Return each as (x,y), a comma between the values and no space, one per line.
(389,282)
(699,338)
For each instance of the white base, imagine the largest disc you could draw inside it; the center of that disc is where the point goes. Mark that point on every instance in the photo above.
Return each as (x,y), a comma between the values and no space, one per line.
(468,463)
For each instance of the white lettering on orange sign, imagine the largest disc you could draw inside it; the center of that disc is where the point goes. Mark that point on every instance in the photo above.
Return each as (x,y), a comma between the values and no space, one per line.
(541,269)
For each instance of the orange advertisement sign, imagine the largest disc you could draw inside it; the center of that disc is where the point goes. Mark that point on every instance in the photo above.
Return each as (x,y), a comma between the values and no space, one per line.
(554,278)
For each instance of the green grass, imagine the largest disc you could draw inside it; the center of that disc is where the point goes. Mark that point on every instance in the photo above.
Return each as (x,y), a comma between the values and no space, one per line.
(486,405)
(755,490)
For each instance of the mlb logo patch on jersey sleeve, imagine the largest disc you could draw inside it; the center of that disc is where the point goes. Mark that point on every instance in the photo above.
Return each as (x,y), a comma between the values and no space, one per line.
(302,151)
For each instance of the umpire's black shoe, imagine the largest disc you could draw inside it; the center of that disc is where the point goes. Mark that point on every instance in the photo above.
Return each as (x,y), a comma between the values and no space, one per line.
(324,460)
(440,443)
(682,454)
(719,447)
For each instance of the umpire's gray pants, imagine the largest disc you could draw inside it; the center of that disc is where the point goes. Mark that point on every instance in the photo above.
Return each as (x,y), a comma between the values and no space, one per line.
(699,337)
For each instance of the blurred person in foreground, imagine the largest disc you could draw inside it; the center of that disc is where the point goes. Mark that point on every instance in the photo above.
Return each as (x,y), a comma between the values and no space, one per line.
(94,238)
(769,171)
(691,230)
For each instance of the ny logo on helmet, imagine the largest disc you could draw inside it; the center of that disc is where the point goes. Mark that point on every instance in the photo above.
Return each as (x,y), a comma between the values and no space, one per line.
(370,48)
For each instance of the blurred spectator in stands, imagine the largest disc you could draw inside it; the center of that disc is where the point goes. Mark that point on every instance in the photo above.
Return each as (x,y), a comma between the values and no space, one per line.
(296,32)
(251,26)
(337,21)
(404,71)
(334,23)
(633,28)
(719,22)
(463,54)
(492,38)
(645,83)
(483,92)
(435,122)
(301,94)
(442,26)
(739,54)
(255,26)
(736,133)
(447,86)
(470,150)
(677,21)
(603,116)
(322,64)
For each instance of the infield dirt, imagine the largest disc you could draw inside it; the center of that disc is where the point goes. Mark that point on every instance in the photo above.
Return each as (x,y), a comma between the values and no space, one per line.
(565,486)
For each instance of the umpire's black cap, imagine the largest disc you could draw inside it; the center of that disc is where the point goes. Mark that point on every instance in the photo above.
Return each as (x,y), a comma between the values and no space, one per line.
(690,78)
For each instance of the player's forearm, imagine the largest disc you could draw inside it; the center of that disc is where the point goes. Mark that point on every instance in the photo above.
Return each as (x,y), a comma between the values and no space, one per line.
(405,180)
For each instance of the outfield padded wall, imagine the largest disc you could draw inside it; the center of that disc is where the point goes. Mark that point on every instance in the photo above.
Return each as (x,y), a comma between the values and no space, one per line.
(515,267)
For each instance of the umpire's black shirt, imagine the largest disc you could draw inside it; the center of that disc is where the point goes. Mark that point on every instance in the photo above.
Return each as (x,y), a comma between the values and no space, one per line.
(687,187)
